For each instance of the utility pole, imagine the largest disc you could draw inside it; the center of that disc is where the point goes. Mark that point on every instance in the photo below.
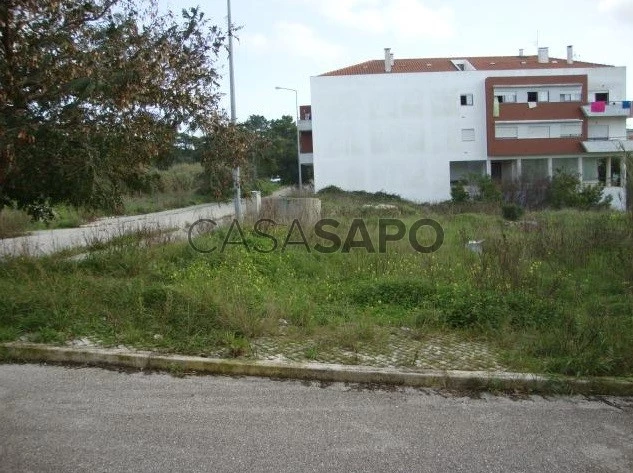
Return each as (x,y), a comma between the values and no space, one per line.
(237,200)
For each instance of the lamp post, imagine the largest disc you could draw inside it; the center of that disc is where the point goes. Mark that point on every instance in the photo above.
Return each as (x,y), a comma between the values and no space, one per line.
(237,201)
(298,139)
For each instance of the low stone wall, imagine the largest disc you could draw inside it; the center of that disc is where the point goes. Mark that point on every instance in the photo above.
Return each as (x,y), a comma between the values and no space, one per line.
(284,210)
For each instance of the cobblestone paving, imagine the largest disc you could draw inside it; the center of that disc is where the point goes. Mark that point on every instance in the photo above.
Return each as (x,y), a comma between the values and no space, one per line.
(399,350)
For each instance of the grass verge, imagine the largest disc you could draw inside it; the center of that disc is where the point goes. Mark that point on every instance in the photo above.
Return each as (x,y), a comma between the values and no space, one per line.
(551,294)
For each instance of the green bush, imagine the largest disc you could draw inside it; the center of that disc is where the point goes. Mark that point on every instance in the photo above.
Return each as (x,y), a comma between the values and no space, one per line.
(566,190)
(405,293)
(488,190)
(459,194)
(331,190)
(511,211)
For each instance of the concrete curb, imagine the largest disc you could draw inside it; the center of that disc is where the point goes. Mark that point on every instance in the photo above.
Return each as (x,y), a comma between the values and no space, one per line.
(456,380)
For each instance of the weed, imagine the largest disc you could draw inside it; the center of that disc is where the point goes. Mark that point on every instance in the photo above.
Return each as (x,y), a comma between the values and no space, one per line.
(554,296)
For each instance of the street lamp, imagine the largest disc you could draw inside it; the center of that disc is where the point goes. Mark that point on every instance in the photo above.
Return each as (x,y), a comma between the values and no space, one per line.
(298,139)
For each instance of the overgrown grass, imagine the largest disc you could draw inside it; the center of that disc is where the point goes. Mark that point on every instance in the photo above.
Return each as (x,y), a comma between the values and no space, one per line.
(554,294)
(176,187)
(12,223)
(173,188)
(167,189)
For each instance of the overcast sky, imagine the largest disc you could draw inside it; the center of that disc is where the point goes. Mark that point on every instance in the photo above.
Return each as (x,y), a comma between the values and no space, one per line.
(285,42)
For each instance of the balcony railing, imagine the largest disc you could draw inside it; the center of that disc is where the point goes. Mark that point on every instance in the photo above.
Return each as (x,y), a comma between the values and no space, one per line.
(611,109)
(610,145)
(305,125)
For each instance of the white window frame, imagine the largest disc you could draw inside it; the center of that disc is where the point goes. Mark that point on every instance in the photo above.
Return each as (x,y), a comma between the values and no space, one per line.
(570,97)
(576,132)
(532,128)
(514,129)
(543,96)
(468,134)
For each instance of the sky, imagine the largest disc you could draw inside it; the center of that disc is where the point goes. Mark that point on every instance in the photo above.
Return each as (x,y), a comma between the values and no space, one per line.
(285,42)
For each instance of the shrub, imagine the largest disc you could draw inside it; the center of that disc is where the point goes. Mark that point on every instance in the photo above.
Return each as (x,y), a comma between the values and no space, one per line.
(511,211)
(331,190)
(458,193)
(405,293)
(566,190)
(590,196)
(488,189)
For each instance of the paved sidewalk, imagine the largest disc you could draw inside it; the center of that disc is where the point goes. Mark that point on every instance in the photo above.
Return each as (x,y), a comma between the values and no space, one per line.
(398,350)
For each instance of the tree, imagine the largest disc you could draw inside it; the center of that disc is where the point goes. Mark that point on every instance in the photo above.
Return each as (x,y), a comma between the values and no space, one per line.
(226,146)
(186,148)
(277,153)
(91,91)
(283,133)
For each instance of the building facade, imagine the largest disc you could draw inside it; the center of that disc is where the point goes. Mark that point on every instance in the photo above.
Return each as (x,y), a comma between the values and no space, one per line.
(414,126)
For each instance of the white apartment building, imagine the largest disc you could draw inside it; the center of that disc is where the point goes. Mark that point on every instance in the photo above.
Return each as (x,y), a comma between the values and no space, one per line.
(413,126)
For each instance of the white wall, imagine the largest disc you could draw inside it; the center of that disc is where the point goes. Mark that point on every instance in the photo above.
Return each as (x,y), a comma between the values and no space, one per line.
(608,79)
(398,132)
(395,133)
(616,126)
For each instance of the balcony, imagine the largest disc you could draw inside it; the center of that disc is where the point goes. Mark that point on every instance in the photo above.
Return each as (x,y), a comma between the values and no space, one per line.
(611,109)
(305,118)
(306,158)
(607,146)
(305,125)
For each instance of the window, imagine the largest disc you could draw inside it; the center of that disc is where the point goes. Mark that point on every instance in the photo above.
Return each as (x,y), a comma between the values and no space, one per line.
(468,134)
(466,99)
(565,165)
(463,170)
(602,96)
(540,96)
(460,66)
(538,131)
(534,169)
(570,97)
(506,97)
(590,167)
(504,131)
(598,132)
(570,129)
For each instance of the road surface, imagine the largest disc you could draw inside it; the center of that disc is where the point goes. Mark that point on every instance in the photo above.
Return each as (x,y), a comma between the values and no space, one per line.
(56,419)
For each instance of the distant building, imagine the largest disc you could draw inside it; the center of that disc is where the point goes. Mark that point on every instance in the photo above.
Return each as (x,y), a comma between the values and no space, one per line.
(414,126)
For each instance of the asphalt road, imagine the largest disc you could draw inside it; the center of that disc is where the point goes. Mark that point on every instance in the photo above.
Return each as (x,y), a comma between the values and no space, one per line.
(55,419)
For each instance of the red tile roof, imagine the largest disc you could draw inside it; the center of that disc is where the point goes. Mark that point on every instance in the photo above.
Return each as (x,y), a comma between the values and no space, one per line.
(487,63)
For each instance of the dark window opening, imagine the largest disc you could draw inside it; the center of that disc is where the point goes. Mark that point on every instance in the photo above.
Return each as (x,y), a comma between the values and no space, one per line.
(532,97)
(499,98)
(602,97)
(466,99)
